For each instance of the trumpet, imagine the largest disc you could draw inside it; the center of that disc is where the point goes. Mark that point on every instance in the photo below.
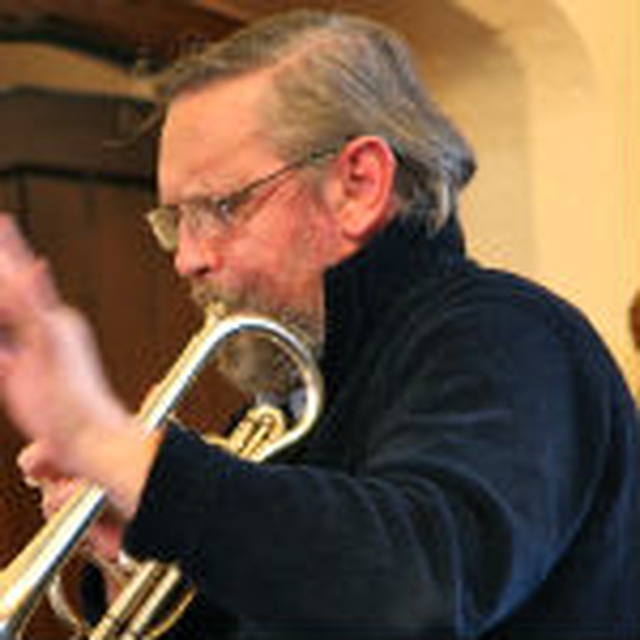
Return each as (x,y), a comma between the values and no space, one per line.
(25,580)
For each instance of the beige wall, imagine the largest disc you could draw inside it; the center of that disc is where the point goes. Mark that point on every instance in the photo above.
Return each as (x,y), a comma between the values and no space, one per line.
(548,91)
(54,67)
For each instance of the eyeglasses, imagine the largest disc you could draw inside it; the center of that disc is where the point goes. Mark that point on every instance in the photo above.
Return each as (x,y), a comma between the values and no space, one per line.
(208,213)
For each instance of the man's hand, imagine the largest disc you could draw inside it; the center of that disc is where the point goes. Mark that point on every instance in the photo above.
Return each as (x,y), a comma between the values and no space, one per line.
(50,376)
(104,539)
(53,386)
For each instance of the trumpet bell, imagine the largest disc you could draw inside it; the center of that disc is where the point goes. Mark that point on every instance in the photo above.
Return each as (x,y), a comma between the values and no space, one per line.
(27,577)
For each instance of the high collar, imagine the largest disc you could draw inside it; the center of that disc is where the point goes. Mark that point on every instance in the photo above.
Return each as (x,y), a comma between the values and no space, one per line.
(360,290)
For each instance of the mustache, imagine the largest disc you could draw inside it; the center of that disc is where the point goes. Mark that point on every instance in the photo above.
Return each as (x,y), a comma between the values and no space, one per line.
(207,293)
(251,363)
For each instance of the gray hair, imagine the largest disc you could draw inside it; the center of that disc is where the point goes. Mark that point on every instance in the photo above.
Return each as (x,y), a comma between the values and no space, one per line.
(337,77)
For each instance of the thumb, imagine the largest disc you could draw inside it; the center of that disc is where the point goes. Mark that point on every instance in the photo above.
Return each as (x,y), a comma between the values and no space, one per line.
(36,465)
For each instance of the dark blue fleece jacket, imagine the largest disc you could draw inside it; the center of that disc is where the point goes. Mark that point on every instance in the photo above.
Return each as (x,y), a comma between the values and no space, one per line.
(475,474)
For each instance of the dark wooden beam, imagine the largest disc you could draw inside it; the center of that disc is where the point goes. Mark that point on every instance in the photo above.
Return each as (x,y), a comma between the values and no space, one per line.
(59,133)
(124,30)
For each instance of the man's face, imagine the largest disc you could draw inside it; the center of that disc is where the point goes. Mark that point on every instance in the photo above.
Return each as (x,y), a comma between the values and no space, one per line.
(271,255)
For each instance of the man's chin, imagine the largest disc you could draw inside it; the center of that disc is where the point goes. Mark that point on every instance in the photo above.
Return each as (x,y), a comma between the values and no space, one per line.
(253,363)
(256,366)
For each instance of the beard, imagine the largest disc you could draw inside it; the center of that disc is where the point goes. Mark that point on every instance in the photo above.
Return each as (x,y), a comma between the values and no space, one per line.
(253,363)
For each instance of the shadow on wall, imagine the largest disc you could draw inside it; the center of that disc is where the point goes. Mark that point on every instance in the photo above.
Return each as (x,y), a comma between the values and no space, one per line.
(634,329)
(505,72)
(482,85)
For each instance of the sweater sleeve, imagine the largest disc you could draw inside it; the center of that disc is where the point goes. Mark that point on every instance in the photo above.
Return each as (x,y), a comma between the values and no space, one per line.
(473,479)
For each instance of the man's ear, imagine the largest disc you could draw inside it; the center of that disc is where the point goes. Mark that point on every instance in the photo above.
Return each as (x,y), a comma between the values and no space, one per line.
(365,173)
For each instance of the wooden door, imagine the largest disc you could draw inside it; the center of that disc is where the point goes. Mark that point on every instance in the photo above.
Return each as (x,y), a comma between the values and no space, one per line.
(81,206)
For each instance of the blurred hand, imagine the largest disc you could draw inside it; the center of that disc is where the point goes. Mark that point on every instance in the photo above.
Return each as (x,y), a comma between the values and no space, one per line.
(104,539)
(53,385)
(51,379)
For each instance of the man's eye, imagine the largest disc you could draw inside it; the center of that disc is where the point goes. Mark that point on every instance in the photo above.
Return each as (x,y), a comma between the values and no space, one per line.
(226,207)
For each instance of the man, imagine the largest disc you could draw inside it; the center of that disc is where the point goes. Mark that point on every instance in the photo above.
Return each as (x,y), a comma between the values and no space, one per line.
(475,473)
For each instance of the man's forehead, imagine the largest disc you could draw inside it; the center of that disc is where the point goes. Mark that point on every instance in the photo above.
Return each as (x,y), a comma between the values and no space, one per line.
(238,99)
(207,128)
(211,112)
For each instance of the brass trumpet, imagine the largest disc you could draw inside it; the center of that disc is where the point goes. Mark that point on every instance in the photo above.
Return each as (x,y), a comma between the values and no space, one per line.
(24,581)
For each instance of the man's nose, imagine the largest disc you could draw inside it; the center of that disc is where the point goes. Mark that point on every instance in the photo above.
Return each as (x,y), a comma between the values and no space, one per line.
(196,255)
